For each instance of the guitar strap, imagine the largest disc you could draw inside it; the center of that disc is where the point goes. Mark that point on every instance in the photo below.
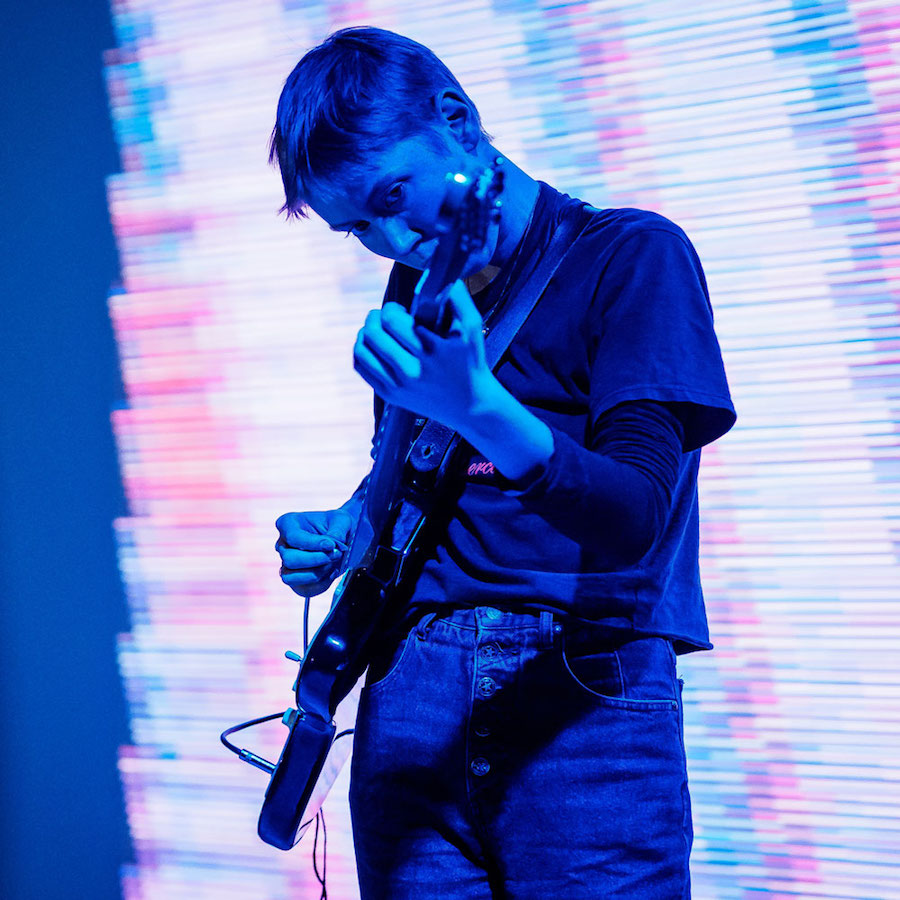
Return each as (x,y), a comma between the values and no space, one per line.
(434,439)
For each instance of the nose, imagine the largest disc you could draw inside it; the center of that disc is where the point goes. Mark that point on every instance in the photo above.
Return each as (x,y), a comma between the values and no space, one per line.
(398,238)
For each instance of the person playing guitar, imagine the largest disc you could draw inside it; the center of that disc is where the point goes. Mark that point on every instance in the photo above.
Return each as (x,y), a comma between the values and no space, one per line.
(520,732)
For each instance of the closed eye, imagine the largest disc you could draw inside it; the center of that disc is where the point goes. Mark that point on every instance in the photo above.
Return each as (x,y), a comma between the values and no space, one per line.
(357,229)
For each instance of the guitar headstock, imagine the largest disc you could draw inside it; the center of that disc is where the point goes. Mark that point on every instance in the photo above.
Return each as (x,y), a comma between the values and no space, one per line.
(471,204)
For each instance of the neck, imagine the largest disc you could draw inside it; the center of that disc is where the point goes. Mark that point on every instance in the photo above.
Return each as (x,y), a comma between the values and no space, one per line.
(520,192)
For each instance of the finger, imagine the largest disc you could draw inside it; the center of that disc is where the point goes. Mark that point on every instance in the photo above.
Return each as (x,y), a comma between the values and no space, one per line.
(392,355)
(466,312)
(398,323)
(340,526)
(302,579)
(394,359)
(428,339)
(372,371)
(305,559)
(298,534)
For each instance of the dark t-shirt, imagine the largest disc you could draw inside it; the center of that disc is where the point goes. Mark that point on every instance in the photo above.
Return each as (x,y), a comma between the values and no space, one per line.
(626,317)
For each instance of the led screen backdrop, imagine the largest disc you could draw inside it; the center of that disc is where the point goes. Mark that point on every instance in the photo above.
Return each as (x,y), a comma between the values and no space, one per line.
(769,131)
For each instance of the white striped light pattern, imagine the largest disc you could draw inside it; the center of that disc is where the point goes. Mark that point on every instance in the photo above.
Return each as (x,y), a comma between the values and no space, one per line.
(770,132)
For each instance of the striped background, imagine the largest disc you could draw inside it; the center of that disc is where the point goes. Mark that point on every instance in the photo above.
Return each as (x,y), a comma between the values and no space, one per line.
(769,131)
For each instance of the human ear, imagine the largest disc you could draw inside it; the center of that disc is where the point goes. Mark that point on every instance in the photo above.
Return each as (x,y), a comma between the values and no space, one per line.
(456,116)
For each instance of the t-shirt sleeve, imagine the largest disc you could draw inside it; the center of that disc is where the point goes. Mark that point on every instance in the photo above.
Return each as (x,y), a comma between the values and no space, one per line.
(613,497)
(653,336)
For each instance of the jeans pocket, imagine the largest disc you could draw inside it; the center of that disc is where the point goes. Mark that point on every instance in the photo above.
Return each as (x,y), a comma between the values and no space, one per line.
(387,662)
(596,671)
(618,677)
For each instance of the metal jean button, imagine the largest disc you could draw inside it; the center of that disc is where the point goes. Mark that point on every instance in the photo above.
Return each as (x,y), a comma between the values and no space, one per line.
(486,686)
(480,766)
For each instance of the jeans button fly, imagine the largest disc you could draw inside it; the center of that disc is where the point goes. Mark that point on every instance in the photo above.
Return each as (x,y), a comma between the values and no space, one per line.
(487,686)
(480,766)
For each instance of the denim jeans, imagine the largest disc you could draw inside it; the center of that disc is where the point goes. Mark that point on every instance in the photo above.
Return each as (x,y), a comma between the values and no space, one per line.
(511,755)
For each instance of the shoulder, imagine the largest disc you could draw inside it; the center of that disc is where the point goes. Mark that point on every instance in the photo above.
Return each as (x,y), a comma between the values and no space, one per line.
(612,228)
(607,225)
(623,245)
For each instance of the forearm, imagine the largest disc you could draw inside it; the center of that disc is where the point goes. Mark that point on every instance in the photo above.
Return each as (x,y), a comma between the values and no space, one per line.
(613,496)
(610,507)
(515,440)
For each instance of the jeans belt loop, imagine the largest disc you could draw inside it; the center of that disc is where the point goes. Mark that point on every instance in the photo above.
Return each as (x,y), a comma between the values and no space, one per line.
(546,629)
(424,625)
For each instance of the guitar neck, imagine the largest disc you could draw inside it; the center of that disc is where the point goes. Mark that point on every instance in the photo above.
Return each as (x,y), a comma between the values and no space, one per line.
(396,428)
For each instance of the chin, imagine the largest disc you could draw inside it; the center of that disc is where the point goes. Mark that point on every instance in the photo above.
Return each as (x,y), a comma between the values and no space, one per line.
(421,261)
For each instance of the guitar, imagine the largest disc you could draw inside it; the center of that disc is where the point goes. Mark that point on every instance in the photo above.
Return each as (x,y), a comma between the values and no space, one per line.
(386,544)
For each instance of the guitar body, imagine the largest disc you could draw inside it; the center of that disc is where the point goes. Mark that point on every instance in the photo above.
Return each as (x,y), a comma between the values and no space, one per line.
(385,546)
(304,754)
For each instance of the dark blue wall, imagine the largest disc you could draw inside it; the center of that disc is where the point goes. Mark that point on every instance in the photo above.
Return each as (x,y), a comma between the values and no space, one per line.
(62,825)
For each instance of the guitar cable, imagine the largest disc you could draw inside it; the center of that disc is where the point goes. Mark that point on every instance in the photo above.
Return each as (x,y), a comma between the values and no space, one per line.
(269,767)
(252,758)
(320,814)
(320,878)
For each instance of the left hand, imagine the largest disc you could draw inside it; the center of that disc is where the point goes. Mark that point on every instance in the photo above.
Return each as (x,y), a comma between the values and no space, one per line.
(443,378)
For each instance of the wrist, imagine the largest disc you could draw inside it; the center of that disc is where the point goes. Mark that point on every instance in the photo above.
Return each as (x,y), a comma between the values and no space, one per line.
(513,438)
